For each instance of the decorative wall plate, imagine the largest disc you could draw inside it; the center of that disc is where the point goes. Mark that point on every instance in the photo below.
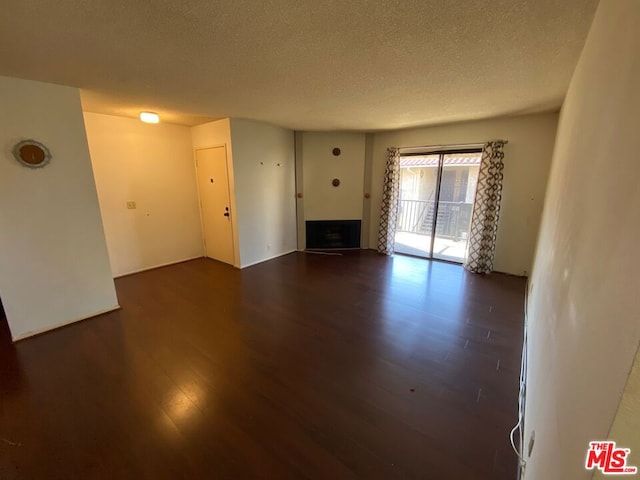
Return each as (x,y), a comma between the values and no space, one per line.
(32,154)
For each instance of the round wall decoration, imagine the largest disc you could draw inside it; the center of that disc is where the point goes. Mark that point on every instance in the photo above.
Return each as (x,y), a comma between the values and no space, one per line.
(336,151)
(32,154)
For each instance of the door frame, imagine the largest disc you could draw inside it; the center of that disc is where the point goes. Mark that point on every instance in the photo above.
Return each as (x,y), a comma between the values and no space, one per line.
(232,200)
(441,152)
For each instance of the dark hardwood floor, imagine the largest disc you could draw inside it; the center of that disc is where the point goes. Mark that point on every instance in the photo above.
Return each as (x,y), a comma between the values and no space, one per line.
(307,366)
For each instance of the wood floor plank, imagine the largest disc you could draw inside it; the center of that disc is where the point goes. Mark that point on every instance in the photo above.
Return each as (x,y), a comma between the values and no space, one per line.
(307,366)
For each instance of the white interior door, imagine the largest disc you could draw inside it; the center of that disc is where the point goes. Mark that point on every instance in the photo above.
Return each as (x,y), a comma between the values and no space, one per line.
(213,183)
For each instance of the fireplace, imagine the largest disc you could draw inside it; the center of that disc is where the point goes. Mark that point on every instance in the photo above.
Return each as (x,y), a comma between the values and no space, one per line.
(333,234)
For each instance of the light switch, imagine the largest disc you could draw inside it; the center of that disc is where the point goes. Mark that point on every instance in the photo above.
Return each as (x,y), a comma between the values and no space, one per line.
(131,205)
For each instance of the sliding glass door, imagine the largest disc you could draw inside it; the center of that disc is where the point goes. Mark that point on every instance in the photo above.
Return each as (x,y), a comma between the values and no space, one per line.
(436,200)
(418,192)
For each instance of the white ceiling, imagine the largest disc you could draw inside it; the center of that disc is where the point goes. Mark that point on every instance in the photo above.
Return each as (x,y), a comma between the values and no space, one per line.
(302,64)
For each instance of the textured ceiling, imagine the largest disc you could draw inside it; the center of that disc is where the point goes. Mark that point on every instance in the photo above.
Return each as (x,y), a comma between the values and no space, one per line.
(302,64)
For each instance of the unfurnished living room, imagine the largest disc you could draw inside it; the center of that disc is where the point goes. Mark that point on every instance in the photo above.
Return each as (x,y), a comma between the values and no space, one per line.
(323,240)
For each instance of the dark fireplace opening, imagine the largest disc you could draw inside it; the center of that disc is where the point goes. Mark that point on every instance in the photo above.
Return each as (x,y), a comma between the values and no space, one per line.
(333,234)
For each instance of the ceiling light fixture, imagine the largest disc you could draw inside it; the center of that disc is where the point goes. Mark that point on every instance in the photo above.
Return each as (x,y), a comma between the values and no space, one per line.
(149,117)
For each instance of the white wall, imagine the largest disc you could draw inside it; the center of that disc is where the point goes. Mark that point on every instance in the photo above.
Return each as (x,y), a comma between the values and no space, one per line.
(153,166)
(216,134)
(212,134)
(54,266)
(323,201)
(584,315)
(625,429)
(527,159)
(264,176)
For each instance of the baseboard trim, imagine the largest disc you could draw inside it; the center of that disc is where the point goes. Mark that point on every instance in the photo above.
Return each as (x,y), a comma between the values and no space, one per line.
(267,259)
(40,331)
(173,262)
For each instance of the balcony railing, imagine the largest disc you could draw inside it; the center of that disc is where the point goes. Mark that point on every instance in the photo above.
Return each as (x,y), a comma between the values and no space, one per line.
(454,218)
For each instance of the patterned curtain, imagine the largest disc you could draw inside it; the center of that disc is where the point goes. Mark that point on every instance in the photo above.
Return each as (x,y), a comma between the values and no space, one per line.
(390,200)
(486,210)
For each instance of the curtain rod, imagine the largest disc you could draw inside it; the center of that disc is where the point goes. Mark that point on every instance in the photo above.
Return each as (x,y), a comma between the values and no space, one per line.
(430,147)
